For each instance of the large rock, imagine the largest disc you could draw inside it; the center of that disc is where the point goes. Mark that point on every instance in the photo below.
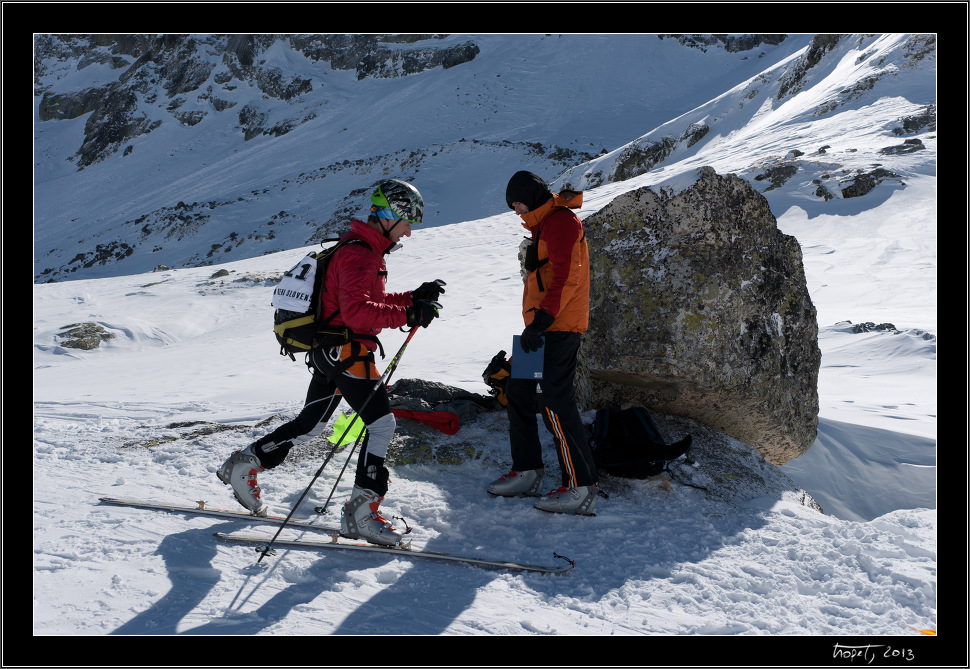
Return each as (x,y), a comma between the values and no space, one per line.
(699,308)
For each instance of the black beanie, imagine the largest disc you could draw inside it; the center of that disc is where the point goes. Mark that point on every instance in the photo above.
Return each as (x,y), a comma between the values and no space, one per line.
(527,188)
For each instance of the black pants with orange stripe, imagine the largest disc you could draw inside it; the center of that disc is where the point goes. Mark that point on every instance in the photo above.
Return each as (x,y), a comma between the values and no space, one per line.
(557,406)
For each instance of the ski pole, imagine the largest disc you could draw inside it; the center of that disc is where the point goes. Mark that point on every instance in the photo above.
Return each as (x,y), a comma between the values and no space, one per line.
(385,377)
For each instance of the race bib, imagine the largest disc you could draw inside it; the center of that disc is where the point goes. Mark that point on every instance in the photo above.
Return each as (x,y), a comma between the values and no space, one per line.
(294,292)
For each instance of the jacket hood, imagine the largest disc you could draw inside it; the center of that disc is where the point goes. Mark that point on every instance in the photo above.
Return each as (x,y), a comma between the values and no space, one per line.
(567,198)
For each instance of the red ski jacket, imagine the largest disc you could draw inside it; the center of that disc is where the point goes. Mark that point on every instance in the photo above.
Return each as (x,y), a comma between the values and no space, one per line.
(355,282)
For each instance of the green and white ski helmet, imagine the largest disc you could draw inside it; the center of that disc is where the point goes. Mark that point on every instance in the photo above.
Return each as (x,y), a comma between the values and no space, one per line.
(400,197)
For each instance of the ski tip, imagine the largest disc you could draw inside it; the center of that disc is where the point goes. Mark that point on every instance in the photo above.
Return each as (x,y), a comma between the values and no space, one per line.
(571,563)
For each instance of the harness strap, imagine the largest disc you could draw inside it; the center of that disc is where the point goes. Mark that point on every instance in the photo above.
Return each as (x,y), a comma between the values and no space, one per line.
(332,372)
(340,335)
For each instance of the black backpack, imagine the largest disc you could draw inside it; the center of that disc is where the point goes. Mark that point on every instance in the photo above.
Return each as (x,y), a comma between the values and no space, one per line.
(627,443)
(296,299)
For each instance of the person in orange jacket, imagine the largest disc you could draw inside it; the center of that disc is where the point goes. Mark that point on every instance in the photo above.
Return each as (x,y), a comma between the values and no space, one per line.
(555,308)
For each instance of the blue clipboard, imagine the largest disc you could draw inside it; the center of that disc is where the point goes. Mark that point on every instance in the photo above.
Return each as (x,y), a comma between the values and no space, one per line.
(526,364)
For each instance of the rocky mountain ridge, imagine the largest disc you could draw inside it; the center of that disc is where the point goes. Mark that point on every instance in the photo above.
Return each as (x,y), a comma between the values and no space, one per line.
(180,65)
(908,55)
(195,149)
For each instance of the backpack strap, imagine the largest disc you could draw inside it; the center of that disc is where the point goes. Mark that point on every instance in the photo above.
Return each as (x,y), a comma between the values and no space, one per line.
(539,263)
(338,335)
(281,328)
(651,427)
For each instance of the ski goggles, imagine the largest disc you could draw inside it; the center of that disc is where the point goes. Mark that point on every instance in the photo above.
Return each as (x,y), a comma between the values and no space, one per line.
(384,212)
(404,213)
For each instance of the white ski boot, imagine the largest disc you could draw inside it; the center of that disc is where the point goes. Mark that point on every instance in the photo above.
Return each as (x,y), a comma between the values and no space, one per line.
(514,483)
(240,472)
(580,500)
(361,519)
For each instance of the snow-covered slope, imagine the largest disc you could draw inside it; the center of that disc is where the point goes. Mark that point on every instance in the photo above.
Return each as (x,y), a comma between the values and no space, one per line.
(153,412)
(191,374)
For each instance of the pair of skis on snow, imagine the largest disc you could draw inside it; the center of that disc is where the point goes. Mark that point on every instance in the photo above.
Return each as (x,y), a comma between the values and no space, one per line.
(334,541)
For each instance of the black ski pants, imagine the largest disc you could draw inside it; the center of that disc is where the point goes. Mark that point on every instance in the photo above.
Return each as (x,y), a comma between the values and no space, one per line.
(557,404)
(322,398)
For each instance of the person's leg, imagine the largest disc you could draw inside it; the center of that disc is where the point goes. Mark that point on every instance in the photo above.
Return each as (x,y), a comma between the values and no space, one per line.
(322,400)
(525,477)
(357,381)
(560,412)
(242,467)
(579,492)
(380,423)
(523,426)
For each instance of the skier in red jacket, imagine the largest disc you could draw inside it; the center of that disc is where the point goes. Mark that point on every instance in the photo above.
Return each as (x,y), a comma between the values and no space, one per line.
(344,367)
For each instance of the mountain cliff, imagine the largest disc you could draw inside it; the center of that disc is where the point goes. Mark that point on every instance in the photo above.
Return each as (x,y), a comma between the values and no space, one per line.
(188,150)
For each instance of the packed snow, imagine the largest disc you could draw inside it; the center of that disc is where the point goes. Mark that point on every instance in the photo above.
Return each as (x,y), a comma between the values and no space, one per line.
(192,373)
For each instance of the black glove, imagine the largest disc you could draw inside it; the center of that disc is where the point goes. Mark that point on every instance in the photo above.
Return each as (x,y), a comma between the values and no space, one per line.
(429,291)
(421,313)
(531,339)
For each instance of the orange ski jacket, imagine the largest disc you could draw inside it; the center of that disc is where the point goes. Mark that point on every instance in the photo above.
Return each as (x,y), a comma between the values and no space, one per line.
(560,283)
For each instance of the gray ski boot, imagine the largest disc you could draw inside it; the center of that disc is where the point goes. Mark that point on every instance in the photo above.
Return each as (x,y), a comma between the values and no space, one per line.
(361,519)
(240,471)
(514,483)
(580,500)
